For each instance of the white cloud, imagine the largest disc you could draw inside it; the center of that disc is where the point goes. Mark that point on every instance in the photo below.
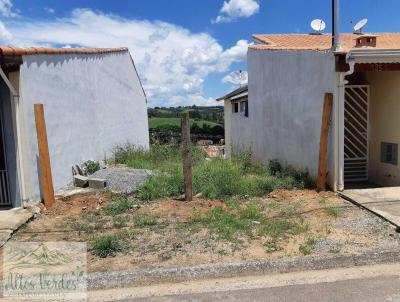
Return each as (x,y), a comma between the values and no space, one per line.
(49,10)
(5,35)
(234,9)
(237,52)
(6,8)
(172,61)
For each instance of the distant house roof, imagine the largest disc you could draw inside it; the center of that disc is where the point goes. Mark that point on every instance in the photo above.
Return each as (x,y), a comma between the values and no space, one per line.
(237,93)
(322,42)
(17,51)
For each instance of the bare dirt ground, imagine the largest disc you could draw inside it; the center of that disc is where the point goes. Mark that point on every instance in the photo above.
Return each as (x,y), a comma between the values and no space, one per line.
(169,233)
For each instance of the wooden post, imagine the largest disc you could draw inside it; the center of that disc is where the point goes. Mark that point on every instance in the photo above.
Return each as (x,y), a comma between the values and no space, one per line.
(323,143)
(187,162)
(46,179)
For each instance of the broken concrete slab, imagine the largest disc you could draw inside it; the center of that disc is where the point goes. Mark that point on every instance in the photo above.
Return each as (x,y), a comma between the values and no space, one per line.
(71,191)
(97,183)
(4,236)
(11,220)
(81,181)
(384,202)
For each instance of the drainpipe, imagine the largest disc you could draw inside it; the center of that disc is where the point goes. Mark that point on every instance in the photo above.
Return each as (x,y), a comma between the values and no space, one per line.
(340,124)
(16,99)
(335,26)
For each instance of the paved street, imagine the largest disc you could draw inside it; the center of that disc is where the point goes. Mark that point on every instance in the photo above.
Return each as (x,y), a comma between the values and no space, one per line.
(372,283)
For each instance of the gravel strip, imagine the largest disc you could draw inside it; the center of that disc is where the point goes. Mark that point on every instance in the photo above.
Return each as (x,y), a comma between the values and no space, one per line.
(123,180)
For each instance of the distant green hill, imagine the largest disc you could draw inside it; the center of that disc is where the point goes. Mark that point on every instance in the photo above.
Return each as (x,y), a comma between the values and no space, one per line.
(205,122)
(155,122)
(214,114)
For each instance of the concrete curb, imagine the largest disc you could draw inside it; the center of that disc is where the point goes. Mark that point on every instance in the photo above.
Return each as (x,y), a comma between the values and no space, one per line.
(107,280)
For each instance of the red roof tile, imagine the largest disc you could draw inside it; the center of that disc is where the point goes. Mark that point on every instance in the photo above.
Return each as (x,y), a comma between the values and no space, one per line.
(321,42)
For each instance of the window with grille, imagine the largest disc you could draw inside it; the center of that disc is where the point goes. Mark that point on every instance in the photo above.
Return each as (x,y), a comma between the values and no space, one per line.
(389,153)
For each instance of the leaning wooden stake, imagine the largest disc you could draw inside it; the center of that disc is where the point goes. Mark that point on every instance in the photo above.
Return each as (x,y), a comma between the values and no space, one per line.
(46,180)
(323,143)
(187,163)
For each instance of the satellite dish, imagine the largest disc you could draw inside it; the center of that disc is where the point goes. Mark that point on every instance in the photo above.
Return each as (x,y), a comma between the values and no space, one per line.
(359,26)
(318,25)
(238,77)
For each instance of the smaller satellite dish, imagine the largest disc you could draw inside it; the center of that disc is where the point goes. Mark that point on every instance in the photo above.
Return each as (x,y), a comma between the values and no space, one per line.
(238,77)
(359,26)
(318,25)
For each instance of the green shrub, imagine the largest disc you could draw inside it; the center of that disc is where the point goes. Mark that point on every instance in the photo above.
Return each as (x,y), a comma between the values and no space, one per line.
(118,204)
(162,185)
(105,246)
(217,178)
(272,246)
(297,179)
(308,247)
(91,166)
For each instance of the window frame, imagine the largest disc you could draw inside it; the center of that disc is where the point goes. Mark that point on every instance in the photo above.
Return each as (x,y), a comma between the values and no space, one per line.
(392,157)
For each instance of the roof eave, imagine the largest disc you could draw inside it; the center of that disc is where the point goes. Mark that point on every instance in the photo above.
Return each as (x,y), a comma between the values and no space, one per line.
(365,56)
(233,93)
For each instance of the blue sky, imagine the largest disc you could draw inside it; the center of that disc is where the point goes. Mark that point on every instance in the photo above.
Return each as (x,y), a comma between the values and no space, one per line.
(181,52)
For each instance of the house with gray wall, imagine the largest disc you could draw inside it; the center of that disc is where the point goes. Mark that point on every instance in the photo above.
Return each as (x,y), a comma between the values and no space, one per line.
(288,77)
(93,100)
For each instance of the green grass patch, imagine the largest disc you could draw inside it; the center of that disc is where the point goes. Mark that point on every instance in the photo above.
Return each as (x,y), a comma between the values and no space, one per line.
(308,247)
(83,227)
(333,211)
(216,178)
(107,245)
(162,185)
(144,220)
(280,228)
(233,203)
(120,222)
(227,226)
(250,221)
(272,246)
(118,204)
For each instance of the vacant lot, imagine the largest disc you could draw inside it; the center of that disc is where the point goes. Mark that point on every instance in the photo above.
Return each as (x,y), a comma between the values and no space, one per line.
(126,233)
(242,212)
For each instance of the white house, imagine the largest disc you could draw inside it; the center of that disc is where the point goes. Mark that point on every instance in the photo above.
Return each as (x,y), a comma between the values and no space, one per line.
(288,77)
(93,100)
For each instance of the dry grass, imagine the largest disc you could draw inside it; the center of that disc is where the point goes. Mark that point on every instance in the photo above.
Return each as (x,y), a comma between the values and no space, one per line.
(173,233)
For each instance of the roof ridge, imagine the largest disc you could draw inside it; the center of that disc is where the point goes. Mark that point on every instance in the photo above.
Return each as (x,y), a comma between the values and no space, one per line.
(20,51)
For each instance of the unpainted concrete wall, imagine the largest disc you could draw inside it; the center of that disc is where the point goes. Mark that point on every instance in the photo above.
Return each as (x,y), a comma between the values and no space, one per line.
(384,117)
(286,92)
(92,103)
